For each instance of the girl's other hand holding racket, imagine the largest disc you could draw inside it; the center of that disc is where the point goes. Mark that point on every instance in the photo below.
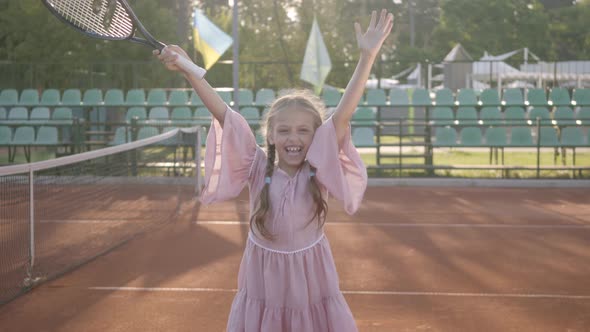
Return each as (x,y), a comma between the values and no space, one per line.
(169,56)
(176,59)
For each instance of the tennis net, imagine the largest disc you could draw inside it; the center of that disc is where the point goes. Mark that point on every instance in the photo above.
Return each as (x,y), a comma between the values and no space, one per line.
(58,214)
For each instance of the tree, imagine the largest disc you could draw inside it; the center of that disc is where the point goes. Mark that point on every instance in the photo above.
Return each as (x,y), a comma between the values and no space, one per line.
(496,26)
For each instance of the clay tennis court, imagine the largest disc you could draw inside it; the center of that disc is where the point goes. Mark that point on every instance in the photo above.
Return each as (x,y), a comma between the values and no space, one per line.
(411,259)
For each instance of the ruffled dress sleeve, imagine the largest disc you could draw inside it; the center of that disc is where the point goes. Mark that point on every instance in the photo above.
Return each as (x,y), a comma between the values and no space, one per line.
(340,170)
(229,158)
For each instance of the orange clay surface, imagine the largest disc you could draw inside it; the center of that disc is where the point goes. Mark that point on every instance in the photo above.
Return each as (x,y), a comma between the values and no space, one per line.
(411,259)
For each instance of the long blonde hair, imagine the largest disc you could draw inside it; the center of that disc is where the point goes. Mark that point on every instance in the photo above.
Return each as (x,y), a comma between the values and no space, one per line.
(302,100)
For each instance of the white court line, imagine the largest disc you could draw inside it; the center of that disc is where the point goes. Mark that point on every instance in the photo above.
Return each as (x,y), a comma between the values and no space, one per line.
(353,292)
(84,221)
(227,223)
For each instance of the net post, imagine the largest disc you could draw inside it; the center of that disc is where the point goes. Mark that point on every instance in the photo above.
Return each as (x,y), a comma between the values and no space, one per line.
(31,221)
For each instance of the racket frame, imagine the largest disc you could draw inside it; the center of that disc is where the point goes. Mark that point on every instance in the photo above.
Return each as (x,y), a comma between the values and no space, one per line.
(137,25)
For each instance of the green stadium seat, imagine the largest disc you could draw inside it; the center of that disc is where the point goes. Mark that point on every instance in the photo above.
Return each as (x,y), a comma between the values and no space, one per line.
(135,97)
(5,135)
(539,112)
(376,97)
(442,116)
(71,97)
(466,97)
(536,97)
(564,116)
(47,136)
(245,97)
(331,97)
(467,116)
(264,97)
(445,137)
(521,137)
(364,116)
(196,100)
(3,113)
(444,97)
(92,97)
(515,115)
(9,97)
(137,111)
(159,113)
(251,115)
(157,97)
(470,137)
(421,97)
(581,97)
(572,137)
(399,97)
(584,115)
(29,97)
(39,115)
(491,116)
(120,134)
(559,97)
(496,137)
(24,136)
(50,97)
(178,98)
(513,97)
(62,114)
(489,97)
(181,115)
(147,132)
(548,137)
(114,97)
(18,114)
(226,96)
(202,116)
(363,137)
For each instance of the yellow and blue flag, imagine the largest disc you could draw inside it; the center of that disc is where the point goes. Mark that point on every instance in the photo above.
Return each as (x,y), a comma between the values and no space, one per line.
(209,40)
(316,62)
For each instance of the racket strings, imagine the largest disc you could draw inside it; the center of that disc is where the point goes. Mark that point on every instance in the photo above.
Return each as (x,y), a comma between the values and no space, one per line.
(88,16)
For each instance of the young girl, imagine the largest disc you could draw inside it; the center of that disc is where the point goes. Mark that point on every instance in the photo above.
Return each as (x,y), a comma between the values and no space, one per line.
(287,279)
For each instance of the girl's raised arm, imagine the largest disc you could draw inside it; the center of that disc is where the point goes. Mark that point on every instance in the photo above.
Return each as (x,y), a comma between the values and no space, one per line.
(369,44)
(210,97)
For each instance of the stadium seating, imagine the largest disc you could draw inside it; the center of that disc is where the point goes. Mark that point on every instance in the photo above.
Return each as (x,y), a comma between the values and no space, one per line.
(376,97)
(466,97)
(50,97)
(471,137)
(157,97)
(513,97)
(536,97)
(489,97)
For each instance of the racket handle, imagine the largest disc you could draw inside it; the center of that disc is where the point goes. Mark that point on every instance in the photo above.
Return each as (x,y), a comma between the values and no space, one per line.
(190,68)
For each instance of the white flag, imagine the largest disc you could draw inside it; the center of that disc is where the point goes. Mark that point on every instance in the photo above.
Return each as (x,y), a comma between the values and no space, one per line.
(316,62)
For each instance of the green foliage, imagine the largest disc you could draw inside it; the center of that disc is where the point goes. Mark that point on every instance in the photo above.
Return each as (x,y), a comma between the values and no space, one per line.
(273,36)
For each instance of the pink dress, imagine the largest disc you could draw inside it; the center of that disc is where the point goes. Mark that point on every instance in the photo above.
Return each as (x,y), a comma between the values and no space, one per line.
(290,283)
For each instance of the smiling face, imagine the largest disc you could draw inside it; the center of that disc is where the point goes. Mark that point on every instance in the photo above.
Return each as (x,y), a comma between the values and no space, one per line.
(291,132)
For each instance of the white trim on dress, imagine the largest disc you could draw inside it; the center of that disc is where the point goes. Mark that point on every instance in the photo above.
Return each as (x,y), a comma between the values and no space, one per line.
(251,238)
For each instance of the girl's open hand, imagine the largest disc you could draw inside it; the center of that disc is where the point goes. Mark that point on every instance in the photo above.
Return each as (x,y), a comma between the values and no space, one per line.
(370,42)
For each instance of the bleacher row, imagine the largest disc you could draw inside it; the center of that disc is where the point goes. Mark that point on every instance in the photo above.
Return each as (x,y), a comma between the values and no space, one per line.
(373,97)
(467,118)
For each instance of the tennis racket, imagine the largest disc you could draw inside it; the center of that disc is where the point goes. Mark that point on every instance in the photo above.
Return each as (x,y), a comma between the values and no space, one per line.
(111,20)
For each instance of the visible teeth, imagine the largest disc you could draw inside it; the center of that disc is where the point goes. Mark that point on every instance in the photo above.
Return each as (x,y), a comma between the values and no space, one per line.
(293,149)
